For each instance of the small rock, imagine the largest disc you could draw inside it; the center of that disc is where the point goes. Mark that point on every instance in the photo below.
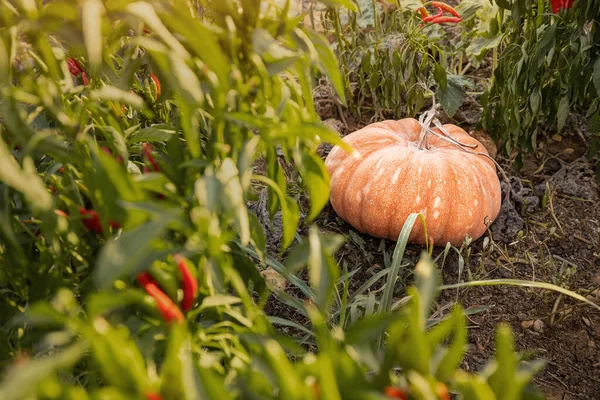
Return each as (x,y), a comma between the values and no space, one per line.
(274,279)
(568,151)
(527,324)
(480,347)
(324,98)
(538,325)
(337,126)
(594,295)
(486,141)
(324,148)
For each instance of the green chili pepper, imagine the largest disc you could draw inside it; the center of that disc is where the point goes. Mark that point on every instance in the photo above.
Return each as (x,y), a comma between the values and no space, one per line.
(167,278)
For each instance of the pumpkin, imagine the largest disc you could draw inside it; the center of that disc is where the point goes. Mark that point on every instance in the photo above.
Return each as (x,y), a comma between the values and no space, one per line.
(403,167)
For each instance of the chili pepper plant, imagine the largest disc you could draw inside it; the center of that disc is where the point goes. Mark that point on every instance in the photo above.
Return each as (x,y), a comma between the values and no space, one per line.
(129,262)
(548,67)
(394,60)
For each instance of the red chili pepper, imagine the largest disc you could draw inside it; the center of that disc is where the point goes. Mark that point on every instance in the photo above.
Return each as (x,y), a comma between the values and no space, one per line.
(61,170)
(441,391)
(189,284)
(432,17)
(91,220)
(157,83)
(147,149)
(423,12)
(395,393)
(442,20)
(153,396)
(558,5)
(74,66)
(445,7)
(169,310)
(107,151)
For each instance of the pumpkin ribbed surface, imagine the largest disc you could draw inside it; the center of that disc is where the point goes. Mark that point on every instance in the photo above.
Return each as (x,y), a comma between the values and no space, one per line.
(389,177)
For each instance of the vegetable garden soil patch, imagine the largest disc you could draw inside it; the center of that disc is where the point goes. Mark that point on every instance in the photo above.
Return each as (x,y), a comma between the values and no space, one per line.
(559,243)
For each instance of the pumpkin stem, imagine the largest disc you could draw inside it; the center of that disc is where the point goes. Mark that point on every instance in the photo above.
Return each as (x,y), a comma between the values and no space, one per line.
(428,117)
(425,121)
(464,147)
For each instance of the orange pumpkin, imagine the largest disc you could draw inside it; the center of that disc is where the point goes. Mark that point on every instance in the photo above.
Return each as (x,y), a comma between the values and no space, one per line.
(399,168)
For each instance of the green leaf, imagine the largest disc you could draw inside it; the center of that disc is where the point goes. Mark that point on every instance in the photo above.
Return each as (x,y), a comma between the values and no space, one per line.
(344,3)
(329,64)
(535,100)
(441,76)
(322,132)
(22,382)
(291,324)
(289,211)
(257,235)
(503,381)
(596,75)
(563,112)
(473,387)
(316,179)
(228,176)
(120,360)
(368,328)
(153,181)
(594,124)
(147,14)
(105,302)
(322,268)
(388,292)
(202,40)
(299,254)
(91,21)
(411,4)
(250,274)
(183,377)
(413,351)
(281,269)
(130,253)
(5,64)
(24,180)
(219,300)
(426,281)
(452,98)
(112,93)
(155,133)
(483,43)
(454,354)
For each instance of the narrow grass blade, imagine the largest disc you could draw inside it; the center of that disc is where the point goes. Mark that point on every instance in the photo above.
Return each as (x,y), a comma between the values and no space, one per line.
(522,283)
(388,293)
(291,324)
